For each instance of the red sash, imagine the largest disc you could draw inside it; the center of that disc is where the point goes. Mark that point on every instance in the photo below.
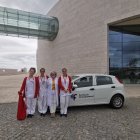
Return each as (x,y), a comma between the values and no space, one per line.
(21,111)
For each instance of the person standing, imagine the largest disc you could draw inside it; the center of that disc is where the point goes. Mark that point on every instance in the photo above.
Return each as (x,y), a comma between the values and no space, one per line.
(30,90)
(65,88)
(52,93)
(42,97)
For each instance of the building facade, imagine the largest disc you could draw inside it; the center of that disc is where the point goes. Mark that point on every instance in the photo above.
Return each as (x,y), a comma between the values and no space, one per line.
(94,37)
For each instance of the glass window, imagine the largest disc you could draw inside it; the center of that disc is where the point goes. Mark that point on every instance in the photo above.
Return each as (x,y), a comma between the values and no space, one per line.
(84,81)
(11,30)
(131,60)
(103,80)
(34,20)
(23,31)
(114,33)
(2,28)
(15,21)
(74,77)
(124,53)
(33,32)
(116,63)
(44,27)
(115,59)
(131,46)
(115,46)
(131,38)
(23,18)
(115,38)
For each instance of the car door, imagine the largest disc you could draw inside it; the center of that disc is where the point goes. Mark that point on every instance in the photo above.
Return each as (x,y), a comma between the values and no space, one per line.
(103,89)
(84,91)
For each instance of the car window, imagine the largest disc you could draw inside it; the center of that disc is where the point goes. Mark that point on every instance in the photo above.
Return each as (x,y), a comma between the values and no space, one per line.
(103,80)
(84,81)
(74,77)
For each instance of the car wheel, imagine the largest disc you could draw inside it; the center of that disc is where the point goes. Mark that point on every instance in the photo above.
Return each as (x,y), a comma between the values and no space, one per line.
(117,101)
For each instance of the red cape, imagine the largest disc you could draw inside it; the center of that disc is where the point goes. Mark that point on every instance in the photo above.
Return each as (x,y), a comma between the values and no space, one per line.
(21,111)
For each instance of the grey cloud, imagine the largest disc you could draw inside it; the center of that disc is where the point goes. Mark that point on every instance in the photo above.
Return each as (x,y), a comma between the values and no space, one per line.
(37,6)
(17,44)
(18,60)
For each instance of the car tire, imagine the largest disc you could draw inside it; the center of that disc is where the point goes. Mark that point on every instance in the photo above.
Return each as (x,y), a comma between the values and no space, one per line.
(117,101)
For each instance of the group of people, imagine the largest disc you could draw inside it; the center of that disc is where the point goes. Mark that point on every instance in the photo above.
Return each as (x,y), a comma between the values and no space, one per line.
(45,91)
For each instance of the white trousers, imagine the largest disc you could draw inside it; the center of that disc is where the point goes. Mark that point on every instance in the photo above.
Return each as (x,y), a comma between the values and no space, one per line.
(42,104)
(64,103)
(31,105)
(53,108)
(53,103)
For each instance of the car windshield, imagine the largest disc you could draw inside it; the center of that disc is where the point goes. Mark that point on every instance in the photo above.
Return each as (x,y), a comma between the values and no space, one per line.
(74,77)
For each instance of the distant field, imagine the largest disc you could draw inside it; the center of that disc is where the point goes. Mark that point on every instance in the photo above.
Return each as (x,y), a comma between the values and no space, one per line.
(10,73)
(9,86)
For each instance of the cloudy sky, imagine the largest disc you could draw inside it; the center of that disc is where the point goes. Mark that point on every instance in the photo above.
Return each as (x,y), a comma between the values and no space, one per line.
(20,52)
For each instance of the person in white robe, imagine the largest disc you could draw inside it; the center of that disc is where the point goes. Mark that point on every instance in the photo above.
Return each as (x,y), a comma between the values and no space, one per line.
(42,97)
(30,90)
(52,93)
(65,87)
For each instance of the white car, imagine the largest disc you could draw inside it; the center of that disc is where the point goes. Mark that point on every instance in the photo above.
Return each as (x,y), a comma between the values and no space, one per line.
(93,89)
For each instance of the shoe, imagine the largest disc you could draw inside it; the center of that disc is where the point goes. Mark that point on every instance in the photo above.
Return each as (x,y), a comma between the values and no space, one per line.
(28,115)
(41,114)
(52,115)
(65,115)
(61,115)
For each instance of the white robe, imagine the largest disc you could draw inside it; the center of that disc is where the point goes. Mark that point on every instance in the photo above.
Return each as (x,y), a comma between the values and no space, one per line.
(30,88)
(42,98)
(52,92)
(29,93)
(64,97)
(43,87)
(65,83)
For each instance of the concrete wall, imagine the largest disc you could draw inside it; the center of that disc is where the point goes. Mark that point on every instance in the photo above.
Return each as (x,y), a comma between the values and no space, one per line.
(81,44)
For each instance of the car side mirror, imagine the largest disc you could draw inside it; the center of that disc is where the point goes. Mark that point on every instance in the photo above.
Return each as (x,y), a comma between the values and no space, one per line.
(74,87)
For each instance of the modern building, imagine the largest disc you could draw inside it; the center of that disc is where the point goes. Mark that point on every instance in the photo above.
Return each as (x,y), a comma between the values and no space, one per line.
(95,36)
(85,36)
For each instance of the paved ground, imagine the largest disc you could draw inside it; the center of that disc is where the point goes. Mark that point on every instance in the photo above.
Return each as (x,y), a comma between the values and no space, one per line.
(83,123)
